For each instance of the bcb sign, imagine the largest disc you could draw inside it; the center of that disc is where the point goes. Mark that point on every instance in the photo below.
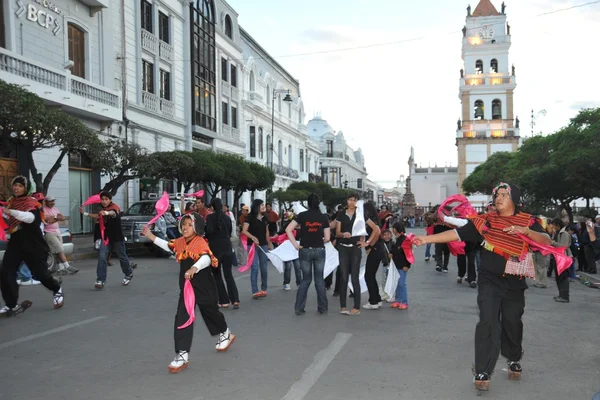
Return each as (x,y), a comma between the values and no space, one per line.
(40,14)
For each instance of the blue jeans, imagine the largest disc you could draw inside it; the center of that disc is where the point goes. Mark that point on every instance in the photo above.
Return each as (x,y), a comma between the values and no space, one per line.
(260,260)
(312,260)
(572,269)
(234,260)
(23,273)
(287,272)
(401,290)
(428,250)
(117,247)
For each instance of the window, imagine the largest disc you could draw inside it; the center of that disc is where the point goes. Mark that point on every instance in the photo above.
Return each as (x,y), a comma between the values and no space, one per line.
(165,85)
(163,27)
(497,109)
(147,76)
(359,183)
(333,177)
(494,66)
(2,33)
(301,160)
(269,150)
(280,152)
(225,113)
(290,111)
(203,64)
(147,16)
(224,70)
(77,50)
(252,141)
(252,83)
(290,159)
(228,29)
(268,96)
(234,117)
(330,148)
(479,67)
(233,75)
(308,163)
(260,143)
(479,110)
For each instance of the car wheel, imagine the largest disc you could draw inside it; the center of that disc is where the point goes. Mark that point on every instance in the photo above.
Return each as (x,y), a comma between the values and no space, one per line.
(52,264)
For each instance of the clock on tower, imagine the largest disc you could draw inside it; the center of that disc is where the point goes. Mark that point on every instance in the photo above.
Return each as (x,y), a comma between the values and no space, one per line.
(486,32)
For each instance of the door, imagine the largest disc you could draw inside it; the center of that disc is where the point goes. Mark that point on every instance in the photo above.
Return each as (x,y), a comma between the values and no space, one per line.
(8,170)
(80,188)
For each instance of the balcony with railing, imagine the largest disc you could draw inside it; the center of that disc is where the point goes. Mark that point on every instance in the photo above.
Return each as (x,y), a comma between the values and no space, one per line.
(167,108)
(285,171)
(482,133)
(488,79)
(158,105)
(225,88)
(58,86)
(149,42)
(165,51)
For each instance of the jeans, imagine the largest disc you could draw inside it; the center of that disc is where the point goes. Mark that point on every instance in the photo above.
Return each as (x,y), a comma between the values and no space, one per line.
(234,260)
(478,258)
(401,290)
(428,250)
(23,273)
(572,268)
(312,260)
(260,261)
(105,250)
(287,272)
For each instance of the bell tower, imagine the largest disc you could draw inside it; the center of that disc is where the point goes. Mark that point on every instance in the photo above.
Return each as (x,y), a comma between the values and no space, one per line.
(487,83)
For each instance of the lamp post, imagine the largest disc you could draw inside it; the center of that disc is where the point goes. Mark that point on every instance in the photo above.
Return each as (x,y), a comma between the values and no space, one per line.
(288,99)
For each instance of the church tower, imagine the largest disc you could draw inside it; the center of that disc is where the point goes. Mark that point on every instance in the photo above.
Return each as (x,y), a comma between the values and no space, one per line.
(487,83)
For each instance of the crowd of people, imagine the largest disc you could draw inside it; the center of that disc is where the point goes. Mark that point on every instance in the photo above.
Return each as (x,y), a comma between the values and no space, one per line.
(500,248)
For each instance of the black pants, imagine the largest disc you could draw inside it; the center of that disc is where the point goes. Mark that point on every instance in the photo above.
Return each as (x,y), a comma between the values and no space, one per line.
(500,328)
(590,258)
(562,282)
(442,255)
(466,264)
(581,259)
(373,260)
(213,318)
(225,265)
(349,267)
(35,258)
(338,277)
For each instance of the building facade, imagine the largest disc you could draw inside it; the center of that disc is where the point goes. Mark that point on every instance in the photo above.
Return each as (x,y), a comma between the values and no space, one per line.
(487,83)
(340,165)
(432,185)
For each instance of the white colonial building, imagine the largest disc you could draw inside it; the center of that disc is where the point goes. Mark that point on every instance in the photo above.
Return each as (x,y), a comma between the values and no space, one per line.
(432,185)
(487,84)
(340,165)
(273,119)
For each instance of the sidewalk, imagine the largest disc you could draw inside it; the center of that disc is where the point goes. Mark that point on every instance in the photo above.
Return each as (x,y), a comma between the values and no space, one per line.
(83,248)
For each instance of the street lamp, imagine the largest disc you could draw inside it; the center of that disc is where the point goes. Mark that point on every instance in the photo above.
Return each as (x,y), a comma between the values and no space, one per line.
(288,99)
(534,117)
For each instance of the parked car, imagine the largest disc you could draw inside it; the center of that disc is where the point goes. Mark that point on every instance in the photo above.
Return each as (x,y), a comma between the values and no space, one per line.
(138,215)
(67,244)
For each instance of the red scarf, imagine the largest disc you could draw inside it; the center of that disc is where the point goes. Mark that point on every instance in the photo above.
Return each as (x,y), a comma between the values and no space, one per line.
(194,249)
(491,226)
(111,207)
(25,204)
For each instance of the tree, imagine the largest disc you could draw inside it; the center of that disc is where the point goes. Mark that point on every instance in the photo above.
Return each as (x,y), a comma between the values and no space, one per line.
(26,120)
(119,160)
(498,168)
(177,165)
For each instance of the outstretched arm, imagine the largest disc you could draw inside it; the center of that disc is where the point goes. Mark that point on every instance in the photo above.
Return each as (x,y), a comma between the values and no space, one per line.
(444,237)
(23,216)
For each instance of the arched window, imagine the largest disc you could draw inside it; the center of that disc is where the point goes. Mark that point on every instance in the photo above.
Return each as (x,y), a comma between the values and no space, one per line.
(228,29)
(497,109)
(252,141)
(290,156)
(280,152)
(479,109)
(268,96)
(479,67)
(77,50)
(252,82)
(269,150)
(494,65)
(260,143)
(204,64)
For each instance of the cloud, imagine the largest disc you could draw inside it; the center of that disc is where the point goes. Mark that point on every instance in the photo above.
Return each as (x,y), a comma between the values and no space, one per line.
(326,36)
(578,105)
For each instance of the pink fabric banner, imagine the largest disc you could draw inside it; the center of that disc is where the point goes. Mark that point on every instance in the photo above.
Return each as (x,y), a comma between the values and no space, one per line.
(407,246)
(199,194)
(95,199)
(562,260)
(189,298)
(161,206)
(463,209)
(3,226)
(456,248)
(251,254)
(278,239)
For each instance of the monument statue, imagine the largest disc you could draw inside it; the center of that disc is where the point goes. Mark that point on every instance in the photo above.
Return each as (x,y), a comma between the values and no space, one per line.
(464,30)
(462,73)
(458,124)
(503,8)
(469,11)
(408,200)
(517,122)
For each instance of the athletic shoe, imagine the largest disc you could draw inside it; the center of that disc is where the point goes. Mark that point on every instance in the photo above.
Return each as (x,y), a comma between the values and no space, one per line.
(445,270)
(71,270)
(427,258)
(287,287)
(482,382)
(395,304)
(473,284)
(99,284)
(59,299)
(403,306)
(370,306)
(30,282)
(263,293)
(459,280)
(514,370)
(179,363)
(127,280)
(438,268)
(559,299)
(225,340)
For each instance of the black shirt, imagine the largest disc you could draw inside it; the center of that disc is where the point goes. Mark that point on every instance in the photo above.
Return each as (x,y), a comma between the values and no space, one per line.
(346,226)
(112,228)
(312,226)
(492,264)
(258,228)
(398,254)
(29,238)
(218,233)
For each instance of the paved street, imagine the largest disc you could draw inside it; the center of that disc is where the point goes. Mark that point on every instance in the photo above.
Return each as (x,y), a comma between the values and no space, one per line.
(117,343)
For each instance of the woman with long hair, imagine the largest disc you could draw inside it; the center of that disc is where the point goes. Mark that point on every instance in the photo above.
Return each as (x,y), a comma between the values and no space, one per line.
(314,233)
(218,233)
(257,232)
(375,255)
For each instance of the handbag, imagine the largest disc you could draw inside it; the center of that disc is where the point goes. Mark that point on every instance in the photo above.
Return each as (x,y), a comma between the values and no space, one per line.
(524,267)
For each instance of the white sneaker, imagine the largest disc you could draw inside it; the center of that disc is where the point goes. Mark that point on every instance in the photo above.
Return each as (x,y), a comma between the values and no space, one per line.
(179,363)
(59,298)
(30,282)
(287,287)
(225,340)
(370,306)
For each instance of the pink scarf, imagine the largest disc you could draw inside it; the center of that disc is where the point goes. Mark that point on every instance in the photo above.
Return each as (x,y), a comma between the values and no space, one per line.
(189,298)
(251,253)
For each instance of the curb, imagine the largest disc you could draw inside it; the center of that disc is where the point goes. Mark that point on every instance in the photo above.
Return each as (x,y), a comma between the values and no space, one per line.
(82,256)
(585,277)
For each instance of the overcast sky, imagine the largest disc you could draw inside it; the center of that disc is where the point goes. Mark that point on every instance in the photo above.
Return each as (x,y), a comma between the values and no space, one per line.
(395,84)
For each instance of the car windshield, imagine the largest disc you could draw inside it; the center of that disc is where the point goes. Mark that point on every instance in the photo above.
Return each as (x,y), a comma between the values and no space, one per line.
(146,208)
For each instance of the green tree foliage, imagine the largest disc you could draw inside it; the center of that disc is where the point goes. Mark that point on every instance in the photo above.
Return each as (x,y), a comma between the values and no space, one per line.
(27,121)
(498,168)
(119,160)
